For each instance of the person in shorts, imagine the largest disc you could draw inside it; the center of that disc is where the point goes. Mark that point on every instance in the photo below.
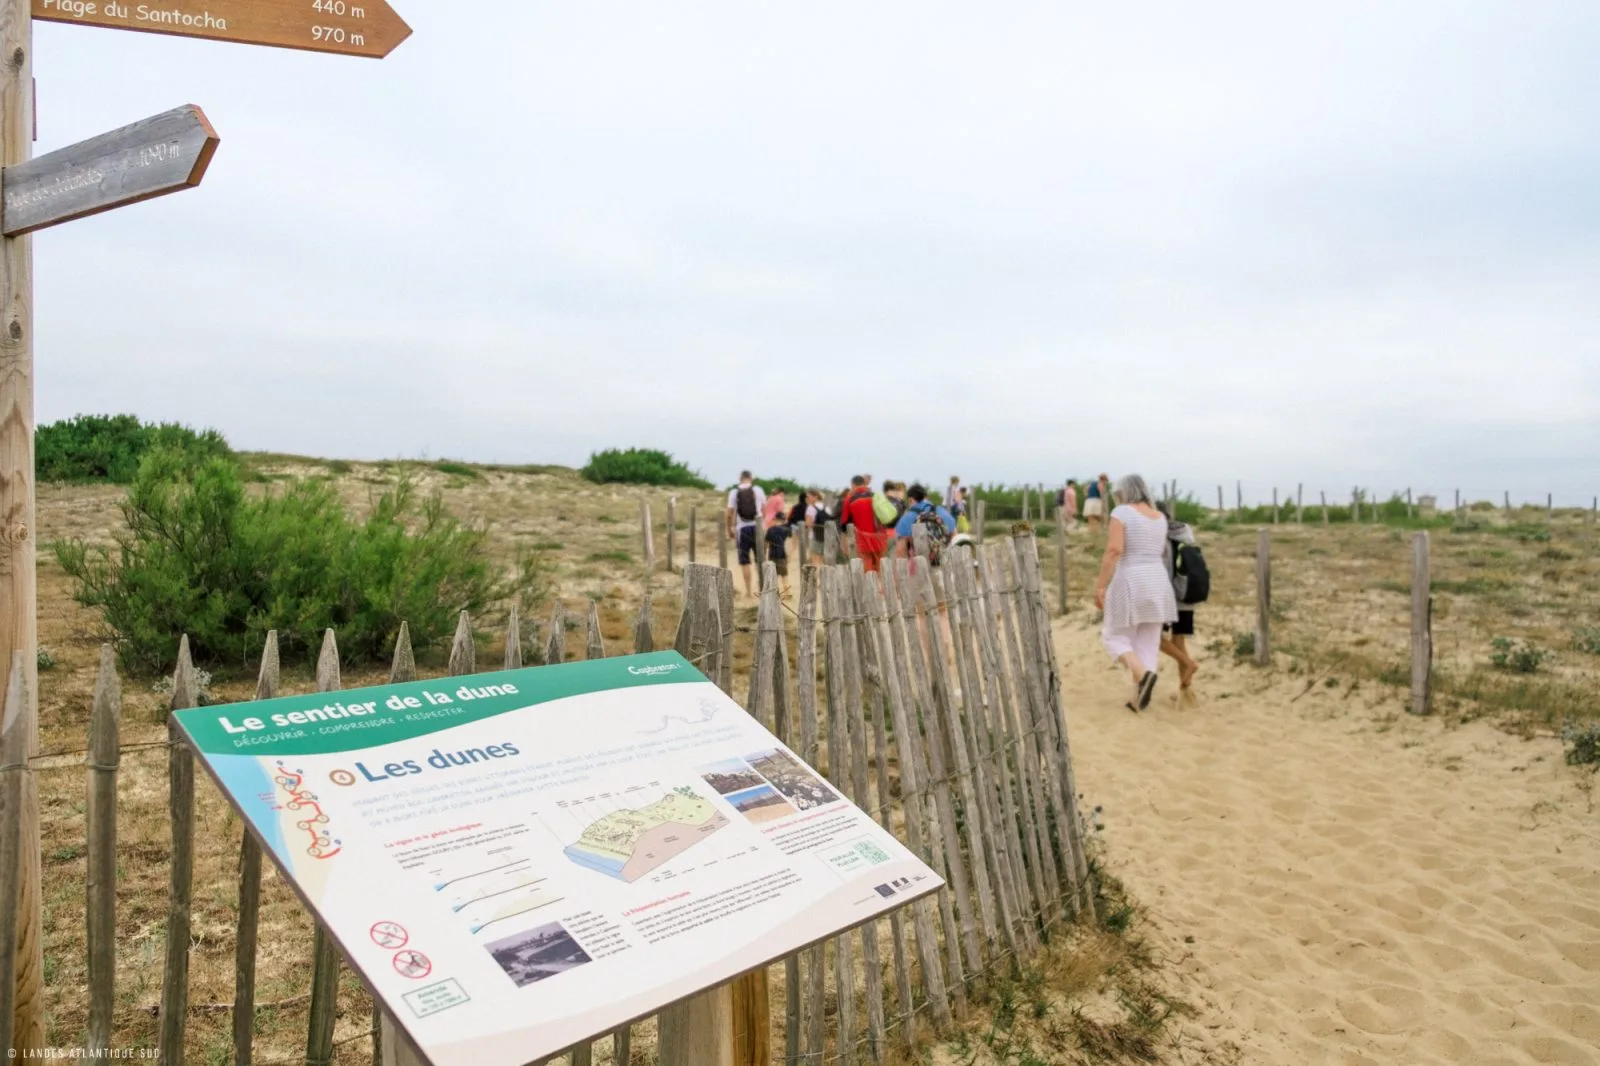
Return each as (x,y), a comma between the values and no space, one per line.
(745,504)
(1094,506)
(1175,636)
(778,552)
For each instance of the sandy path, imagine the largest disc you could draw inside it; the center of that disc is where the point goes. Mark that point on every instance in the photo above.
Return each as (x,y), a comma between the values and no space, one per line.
(1360,886)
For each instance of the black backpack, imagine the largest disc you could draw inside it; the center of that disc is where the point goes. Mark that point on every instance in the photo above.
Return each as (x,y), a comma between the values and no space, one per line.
(1190,565)
(745,505)
(938,536)
(797,514)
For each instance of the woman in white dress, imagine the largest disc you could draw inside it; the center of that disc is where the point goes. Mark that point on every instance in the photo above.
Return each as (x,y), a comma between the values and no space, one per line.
(1134,590)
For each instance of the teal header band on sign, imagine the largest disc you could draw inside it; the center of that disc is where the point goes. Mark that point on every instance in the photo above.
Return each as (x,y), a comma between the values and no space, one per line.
(383,714)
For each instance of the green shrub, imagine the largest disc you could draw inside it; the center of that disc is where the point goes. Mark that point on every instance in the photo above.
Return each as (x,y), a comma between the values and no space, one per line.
(641,466)
(1244,645)
(203,557)
(110,447)
(1587,639)
(1583,744)
(446,466)
(45,660)
(1518,656)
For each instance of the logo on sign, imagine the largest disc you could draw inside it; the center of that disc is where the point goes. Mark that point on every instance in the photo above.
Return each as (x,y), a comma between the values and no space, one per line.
(647,671)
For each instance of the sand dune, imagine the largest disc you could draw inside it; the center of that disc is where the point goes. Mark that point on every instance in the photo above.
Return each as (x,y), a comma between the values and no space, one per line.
(1340,882)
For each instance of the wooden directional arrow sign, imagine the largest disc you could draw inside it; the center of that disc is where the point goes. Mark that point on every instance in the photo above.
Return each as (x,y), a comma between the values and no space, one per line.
(167,153)
(343,27)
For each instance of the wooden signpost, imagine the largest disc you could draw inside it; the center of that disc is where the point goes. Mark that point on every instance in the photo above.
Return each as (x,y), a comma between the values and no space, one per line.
(153,157)
(162,154)
(343,27)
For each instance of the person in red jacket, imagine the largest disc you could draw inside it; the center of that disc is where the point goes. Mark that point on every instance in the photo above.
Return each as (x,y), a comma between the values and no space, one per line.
(871,543)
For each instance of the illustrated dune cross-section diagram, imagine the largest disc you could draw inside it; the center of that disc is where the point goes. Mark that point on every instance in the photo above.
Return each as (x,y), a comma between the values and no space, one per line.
(628,844)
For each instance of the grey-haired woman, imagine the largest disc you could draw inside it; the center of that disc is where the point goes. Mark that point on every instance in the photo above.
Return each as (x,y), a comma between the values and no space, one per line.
(1134,590)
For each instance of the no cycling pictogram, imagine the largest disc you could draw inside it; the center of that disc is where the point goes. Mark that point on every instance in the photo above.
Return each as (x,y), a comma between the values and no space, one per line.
(412,964)
(389,935)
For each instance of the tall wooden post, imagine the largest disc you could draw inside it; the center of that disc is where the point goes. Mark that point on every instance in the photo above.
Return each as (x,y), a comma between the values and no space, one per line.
(980,519)
(1264,599)
(672,532)
(1324,508)
(1274,505)
(722,541)
(18,592)
(699,1031)
(648,535)
(1550,505)
(1300,505)
(1421,625)
(1508,504)
(1222,511)
(1238,491)
(1410,510)
(693,514)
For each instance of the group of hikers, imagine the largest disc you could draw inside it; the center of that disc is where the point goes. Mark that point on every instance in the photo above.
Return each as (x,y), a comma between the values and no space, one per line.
(883,521)
(1152,574)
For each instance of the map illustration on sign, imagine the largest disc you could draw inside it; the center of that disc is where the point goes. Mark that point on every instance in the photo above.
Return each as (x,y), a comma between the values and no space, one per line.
(628,844)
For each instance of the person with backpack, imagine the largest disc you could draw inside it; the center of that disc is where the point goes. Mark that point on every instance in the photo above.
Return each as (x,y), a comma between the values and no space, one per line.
(777,551)
(858,512)
(745,504)
(1134,590)
(814,519)
(939,523)
(1191,584)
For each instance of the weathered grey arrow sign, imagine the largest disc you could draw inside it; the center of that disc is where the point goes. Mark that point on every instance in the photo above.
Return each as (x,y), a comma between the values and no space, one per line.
(155,156)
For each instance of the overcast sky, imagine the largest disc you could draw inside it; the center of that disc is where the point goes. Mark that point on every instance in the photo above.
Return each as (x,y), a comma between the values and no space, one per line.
(1339,243)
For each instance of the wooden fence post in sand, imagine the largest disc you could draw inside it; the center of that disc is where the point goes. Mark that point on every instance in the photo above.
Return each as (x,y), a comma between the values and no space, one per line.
(1222,512)
(13,786)
(1410,508)
(180,793)
(693,525)
(1024,503)
(1508,504)
(1421,625)
(1324,508)
(463,651)
(981,510)
(1238,497)
(722,541)
(325,954)
(1550,505)
(672,532)
(1264,599)
(830,543)
(1355,505)
(100,881)
(513,655)
(1300,505)
(698,1031)
(1274,505)
(390,1047)
(648,535)
(244,951)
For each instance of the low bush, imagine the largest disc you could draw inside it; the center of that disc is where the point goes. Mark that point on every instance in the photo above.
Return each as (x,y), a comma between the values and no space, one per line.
(1587,639)
(1517,656)
(1582,744)
(89,448)
(202,556)
(641,466)
(447,466)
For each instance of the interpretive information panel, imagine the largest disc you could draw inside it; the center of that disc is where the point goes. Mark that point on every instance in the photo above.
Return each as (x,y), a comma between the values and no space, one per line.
(520,861)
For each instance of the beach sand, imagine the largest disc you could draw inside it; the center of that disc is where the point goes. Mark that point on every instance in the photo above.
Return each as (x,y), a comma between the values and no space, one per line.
(1335,881)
